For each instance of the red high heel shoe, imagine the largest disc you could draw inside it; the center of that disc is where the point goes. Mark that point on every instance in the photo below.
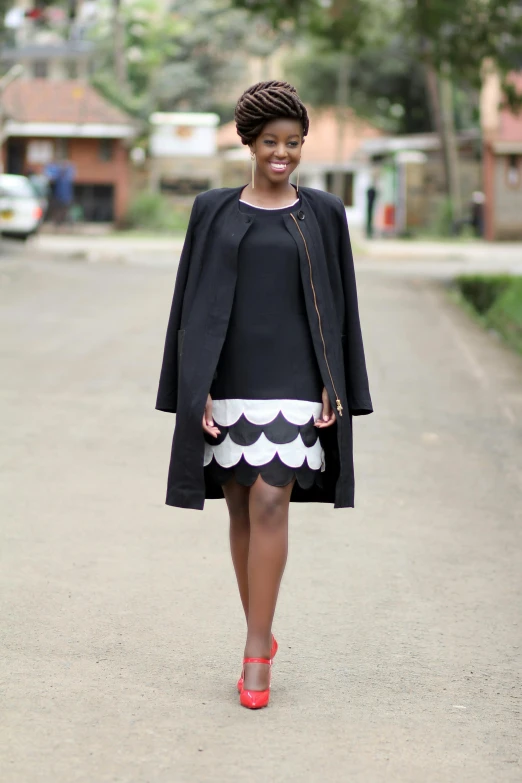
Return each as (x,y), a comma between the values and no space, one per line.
(273,651)
(255,700)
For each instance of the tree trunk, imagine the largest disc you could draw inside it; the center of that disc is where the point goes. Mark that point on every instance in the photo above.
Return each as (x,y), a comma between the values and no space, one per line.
(441,104)
(120,64)
(342,107)
(452,152)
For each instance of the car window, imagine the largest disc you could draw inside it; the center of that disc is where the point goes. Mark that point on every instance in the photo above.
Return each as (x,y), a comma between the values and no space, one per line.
(18,187)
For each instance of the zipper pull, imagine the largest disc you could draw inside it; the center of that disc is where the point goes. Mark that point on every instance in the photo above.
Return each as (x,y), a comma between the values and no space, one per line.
(339,407)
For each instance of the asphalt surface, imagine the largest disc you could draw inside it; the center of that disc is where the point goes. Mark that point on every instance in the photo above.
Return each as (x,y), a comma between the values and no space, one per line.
(399,622)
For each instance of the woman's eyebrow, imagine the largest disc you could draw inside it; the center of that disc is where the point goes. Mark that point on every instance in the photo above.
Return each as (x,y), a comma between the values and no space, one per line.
(292,135)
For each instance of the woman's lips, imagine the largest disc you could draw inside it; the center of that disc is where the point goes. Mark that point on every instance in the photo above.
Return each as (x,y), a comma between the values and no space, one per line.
(279,167)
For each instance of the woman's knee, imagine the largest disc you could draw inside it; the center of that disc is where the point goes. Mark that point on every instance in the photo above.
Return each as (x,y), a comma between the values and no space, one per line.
(269,506)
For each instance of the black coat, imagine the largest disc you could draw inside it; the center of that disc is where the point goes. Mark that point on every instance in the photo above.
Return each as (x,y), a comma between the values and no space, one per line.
(199,317)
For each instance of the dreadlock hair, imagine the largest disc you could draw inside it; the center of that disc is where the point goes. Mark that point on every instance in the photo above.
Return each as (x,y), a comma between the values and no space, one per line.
(266,101)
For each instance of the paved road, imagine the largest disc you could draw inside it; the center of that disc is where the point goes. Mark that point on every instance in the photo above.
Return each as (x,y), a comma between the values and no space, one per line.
(399,623)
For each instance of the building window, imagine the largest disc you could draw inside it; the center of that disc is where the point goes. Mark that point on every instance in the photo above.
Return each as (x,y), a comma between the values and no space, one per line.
(40,69)
(347,186)
(513,171)
(61,149)
(105,149)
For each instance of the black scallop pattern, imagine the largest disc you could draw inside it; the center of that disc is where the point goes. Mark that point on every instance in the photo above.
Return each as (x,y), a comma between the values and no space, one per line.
(275,473)
(279,430)
(220,438)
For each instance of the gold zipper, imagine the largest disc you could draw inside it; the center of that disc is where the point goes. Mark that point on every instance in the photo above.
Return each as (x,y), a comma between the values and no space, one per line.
(337,400)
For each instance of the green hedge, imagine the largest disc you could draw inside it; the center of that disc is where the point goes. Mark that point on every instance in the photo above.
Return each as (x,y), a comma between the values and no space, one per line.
(497,299)
(151,211)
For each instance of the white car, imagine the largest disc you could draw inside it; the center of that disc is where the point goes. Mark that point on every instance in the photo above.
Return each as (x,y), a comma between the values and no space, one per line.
(21,211)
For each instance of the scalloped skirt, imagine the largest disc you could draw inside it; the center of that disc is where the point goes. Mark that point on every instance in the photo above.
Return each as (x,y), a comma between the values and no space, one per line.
(274,439)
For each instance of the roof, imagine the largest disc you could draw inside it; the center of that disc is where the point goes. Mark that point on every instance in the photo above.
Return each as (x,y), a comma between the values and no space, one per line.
(69,101)
(414,142)
(321,141)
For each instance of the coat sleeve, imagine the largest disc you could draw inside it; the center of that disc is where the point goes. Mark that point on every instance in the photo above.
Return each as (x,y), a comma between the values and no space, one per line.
(356,376)
(167,398)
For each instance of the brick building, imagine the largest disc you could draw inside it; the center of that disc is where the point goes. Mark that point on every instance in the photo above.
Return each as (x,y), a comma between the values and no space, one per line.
(47,120)
(502,138)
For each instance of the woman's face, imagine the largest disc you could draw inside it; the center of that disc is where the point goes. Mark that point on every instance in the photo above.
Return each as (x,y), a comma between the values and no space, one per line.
(278,150)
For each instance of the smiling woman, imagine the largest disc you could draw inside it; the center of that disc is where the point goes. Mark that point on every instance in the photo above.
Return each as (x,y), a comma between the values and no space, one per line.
(264,361)
(272,121)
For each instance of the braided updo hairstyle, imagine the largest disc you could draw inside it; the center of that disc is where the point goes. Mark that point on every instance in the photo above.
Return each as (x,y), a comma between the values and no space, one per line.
(266,101)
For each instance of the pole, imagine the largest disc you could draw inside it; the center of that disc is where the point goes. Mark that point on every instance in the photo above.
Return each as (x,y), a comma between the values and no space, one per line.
(13,73)
(342,104)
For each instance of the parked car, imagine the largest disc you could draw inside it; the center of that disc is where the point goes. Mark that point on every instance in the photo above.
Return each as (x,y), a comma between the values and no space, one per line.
(21,211)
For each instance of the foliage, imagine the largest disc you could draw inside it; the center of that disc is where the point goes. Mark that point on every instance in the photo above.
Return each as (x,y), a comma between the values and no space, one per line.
(180,58)
(482,291)
(505,315)
(454,34)
(154,212)
(498,301)
(386,84)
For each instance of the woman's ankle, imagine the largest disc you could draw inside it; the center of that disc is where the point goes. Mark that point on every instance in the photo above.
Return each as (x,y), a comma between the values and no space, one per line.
(258,646)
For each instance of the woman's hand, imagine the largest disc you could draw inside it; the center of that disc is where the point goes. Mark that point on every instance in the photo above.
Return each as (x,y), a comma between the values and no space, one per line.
(327,416)
(208,421)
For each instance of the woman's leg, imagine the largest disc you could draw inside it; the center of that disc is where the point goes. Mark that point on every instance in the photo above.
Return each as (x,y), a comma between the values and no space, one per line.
(268,512)
(237,501)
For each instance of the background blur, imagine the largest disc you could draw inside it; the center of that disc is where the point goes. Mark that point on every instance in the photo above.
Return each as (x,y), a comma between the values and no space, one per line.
(399,622)
(415,98)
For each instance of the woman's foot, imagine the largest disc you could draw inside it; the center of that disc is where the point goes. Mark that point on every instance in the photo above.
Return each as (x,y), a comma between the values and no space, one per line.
(256,698)
(273,651)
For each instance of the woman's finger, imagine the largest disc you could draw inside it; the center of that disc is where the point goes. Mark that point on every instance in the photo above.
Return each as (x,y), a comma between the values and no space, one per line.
(327,414)
(321,423)
(327,408)
(208,412)
(208,420)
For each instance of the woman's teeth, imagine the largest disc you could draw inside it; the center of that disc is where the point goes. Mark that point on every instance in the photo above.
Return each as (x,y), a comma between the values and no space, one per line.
(278,166)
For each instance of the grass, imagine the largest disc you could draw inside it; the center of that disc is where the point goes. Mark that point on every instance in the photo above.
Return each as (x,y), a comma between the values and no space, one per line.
(496,302)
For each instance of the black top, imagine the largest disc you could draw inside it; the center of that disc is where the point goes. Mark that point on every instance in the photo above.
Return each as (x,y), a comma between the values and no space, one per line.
(268,351)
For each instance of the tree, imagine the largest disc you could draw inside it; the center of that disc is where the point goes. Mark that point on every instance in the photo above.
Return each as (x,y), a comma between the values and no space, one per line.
(450,38)
(177,59)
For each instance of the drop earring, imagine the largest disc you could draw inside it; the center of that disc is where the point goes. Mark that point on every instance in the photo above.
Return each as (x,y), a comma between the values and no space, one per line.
(253,158)
(297,183)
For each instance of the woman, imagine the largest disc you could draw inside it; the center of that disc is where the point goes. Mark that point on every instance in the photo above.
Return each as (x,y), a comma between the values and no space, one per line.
(264,362)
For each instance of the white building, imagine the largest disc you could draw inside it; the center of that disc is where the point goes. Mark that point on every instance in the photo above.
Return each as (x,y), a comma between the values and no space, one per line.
(183,152)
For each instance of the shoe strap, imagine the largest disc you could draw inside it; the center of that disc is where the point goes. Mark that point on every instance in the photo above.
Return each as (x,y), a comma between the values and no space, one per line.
(258,660)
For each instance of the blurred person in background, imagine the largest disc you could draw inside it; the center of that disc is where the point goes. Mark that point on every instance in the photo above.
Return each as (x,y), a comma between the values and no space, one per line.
(61,177)
(371,198)
(264,362)
(477,212)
